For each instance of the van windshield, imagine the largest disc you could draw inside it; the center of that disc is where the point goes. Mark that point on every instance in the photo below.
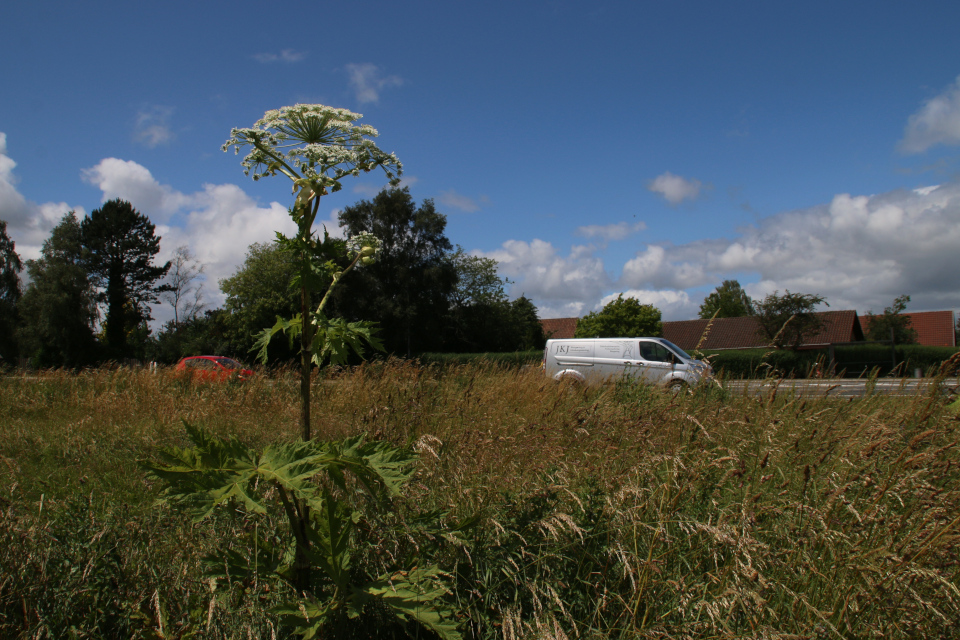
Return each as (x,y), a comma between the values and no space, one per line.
(676,349)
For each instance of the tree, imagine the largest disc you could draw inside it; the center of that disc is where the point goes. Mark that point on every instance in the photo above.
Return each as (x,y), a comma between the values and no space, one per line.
(729,300)
(59,307)
(621,318)
(788,320)
(260,291)
(526,329)
(408,290)
(10,268)
(186,291)
(477,281)
(892,324)
(119,244)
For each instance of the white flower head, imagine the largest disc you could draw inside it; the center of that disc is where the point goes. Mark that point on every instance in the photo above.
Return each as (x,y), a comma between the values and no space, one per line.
(364,243)
(313,142)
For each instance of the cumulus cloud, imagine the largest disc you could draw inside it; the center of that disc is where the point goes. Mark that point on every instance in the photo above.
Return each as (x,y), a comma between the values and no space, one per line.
(367,81)
(675,189)
(286,55)
(457,201)
(553,281)
(28,223)
(937,122)
(134,183)
(610,232)
(858,251)
(152,128)
(673,304)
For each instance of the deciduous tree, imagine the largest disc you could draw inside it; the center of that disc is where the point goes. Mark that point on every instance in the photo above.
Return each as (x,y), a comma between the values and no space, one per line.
(891,324)
(623,317)
(729,300)
(408,290)
(10,268)
(788,320)
(260,291)
(59,307)
(186,289)
(119,244)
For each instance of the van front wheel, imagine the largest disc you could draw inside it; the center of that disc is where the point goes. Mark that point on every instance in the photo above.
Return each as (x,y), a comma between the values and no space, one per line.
(677,387)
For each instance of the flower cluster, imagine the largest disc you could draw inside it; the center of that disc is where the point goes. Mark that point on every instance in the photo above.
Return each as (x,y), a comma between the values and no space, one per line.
(312,142)
(365,244)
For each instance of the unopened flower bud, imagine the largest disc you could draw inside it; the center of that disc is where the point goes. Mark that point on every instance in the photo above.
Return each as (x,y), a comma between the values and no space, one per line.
(367,252)
(368,260)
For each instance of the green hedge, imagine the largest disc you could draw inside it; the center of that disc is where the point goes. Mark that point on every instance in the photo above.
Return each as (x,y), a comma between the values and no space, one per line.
(851,361)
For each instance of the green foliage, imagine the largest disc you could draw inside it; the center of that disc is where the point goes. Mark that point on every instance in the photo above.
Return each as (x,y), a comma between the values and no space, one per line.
(10,267)
(212,332)
(625,318)
(852,361)
(729,300)
(334,339)
(119,245)
(59,307)
(789,319)
(407,291)
(891,324)
(259,292)
(331,590)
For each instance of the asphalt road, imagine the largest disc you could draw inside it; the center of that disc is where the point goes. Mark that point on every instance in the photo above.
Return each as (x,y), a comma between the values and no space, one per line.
(842,388)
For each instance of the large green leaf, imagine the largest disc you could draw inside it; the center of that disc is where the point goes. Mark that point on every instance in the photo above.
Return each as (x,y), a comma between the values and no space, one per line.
(414,595)
(330,537)
(204,476)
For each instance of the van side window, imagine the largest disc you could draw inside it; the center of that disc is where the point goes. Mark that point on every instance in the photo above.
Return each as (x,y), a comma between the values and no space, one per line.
(655,352)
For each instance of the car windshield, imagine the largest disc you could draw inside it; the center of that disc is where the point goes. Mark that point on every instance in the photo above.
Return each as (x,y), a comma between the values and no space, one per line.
(228,363)
(676,349)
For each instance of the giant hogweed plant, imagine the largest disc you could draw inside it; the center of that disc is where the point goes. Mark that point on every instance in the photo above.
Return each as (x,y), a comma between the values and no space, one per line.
(316,147)
(305,483)
(283,480)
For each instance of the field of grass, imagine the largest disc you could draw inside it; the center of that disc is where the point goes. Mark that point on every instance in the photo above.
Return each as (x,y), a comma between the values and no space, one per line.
(618,512)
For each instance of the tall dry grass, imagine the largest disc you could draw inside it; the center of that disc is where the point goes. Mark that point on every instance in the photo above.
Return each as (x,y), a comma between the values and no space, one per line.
(567,512)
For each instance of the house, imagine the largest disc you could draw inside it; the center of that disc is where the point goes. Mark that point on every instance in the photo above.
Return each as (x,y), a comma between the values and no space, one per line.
(559,327)
(934,328)
(744,333)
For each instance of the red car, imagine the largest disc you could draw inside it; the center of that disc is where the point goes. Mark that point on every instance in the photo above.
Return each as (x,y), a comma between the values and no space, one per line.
(215,368)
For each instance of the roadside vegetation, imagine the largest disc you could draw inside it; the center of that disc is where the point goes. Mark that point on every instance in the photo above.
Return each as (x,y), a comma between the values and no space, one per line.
(548,511)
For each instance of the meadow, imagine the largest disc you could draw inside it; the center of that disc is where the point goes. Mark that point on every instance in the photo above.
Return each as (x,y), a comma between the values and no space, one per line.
(554,511)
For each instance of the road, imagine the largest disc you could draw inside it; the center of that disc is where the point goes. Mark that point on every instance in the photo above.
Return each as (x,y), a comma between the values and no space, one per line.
(841,388)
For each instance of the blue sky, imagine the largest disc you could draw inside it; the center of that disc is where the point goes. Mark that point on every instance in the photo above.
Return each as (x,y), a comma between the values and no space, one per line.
(653,149)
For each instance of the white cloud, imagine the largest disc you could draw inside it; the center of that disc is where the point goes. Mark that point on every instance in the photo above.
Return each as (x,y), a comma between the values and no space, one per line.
(286,55)
(673,304)
(458,201)
(367,81)
(937,122)
(858,251)
(610,232)
(540,273)
(152,128)
(675,189)
(134,183)
(28,223)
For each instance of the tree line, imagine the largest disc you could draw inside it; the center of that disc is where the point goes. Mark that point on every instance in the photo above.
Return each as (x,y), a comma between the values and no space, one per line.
(88,295)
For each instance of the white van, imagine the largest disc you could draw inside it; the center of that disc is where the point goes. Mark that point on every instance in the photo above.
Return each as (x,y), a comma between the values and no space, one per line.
(597,360)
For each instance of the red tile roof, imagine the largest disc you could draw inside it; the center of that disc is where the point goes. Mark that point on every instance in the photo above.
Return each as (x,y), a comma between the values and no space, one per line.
(559,327)
(934,328)
(744,333)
